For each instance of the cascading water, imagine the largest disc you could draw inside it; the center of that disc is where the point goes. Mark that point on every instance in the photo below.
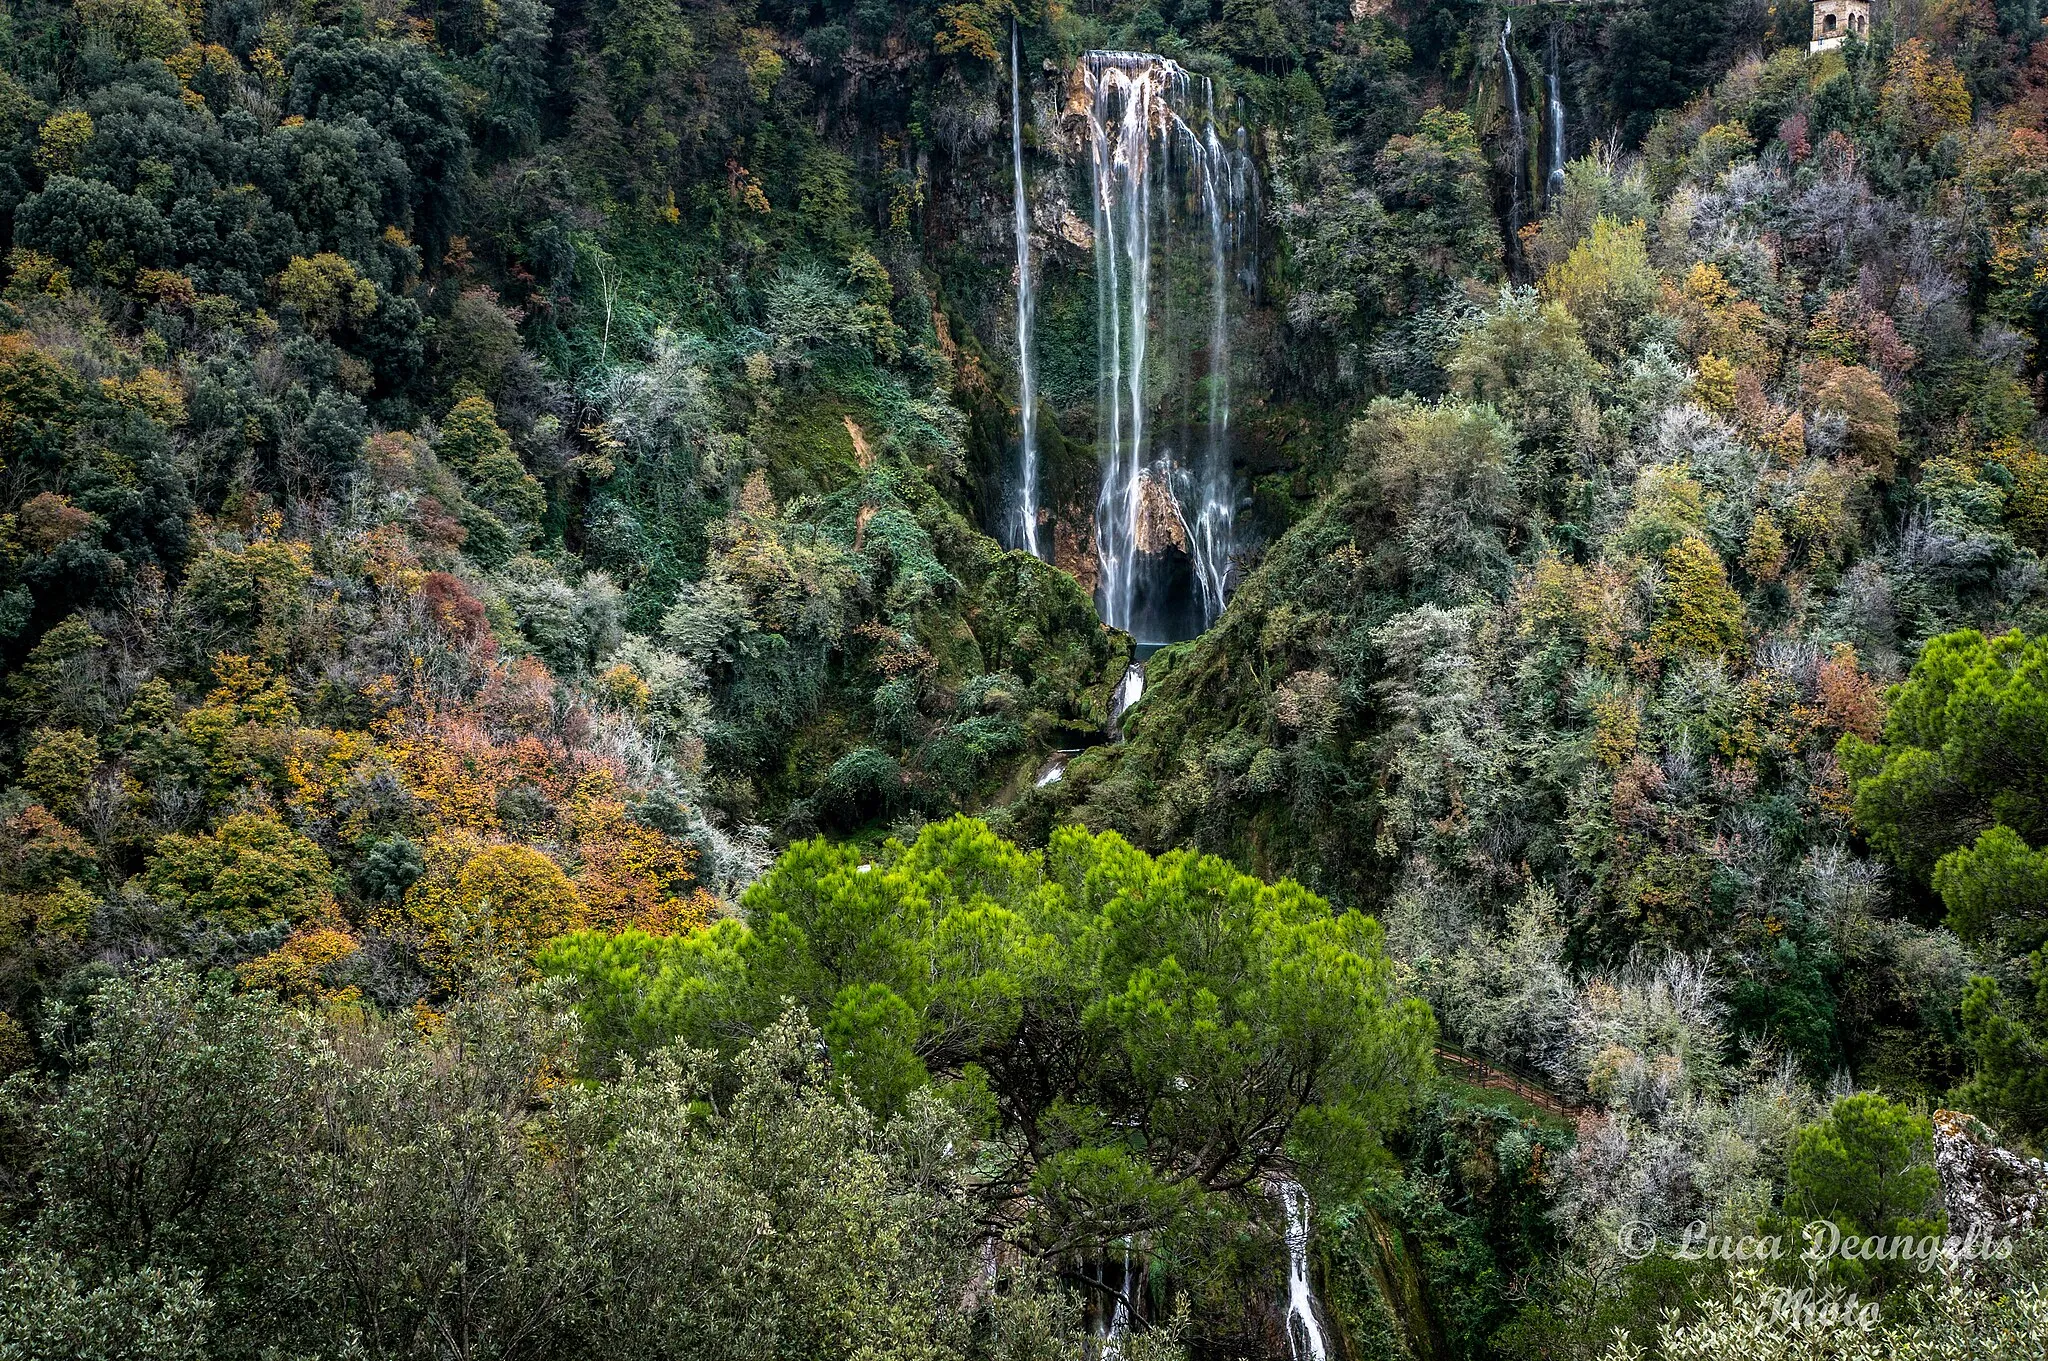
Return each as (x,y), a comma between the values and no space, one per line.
(1554,182)
(1129,691)
(1164,184)
(1518,193)
(1304,1333)
(1209,534)
(1120,1315)
(1055,767)
(1123,183)
(1026,533)
(1244,199)
(1109,1330)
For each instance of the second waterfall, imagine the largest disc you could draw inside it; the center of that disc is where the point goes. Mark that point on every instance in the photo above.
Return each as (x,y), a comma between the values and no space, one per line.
(1173,200)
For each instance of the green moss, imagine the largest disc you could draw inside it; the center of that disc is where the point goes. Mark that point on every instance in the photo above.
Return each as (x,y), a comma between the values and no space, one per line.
(808,449)
(1066,338)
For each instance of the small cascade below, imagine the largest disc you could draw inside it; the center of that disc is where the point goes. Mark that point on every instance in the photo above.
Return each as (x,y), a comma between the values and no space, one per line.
(1129,691)
(1305,1340)
(1173,202)
(1109,1311)
(1055,767)
(1119,1329)
(1026,513)
(1518,194)
(1554,182)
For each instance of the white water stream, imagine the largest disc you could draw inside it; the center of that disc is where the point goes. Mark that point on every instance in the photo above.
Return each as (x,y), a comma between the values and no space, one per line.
(1164,183)
(1305,1340)
(1120,1317)
(1554,182)
(1055,767)
(1518,133)
(1027,317)
(1129,691)
(1210,531)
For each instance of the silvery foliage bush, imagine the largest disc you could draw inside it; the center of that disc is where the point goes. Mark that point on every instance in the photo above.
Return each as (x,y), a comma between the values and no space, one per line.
(1720,213)
(806,306)
(1450,764)
(1706,448)
(665,417)
(1685,1136)
(572,627)
(1500,993)
(1865,613)
(1677,1133)
(678,700)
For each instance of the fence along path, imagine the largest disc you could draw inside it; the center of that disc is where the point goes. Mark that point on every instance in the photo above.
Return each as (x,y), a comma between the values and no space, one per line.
(1480,1073)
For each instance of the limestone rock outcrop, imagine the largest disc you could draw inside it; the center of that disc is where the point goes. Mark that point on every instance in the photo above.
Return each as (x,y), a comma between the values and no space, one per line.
(1984,1186)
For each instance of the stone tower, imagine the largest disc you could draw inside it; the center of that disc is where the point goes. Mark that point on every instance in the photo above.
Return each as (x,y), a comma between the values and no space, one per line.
(1834,20)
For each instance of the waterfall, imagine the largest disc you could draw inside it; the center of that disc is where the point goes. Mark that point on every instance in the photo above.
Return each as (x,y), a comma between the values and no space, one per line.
(1165,184)
(1519,136)
(1110,1331)
(1123,259)
(1120,1316)
(1209,535)
(1304,1333)
(1129,691)
(1027,309)
(1554,183)
(1055,767)
(1244,203)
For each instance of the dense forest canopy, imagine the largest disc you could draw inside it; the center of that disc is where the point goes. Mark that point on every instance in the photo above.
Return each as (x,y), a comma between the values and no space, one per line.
(620,733)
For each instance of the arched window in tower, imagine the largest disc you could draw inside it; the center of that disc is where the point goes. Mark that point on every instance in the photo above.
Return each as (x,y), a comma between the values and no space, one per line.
(1836,21)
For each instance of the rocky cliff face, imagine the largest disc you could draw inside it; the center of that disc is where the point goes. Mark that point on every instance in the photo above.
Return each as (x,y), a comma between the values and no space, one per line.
(1986,1187)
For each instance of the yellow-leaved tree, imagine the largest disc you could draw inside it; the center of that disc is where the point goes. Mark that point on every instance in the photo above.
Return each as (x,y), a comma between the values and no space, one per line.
(1608,284)
(1924,98)
(1698,612)
(503,903)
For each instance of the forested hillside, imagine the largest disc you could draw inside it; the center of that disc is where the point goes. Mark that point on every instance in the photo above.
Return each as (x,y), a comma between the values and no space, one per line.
(1273,678)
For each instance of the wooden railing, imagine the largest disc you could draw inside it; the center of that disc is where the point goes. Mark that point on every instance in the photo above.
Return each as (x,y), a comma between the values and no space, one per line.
(1527,1086)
